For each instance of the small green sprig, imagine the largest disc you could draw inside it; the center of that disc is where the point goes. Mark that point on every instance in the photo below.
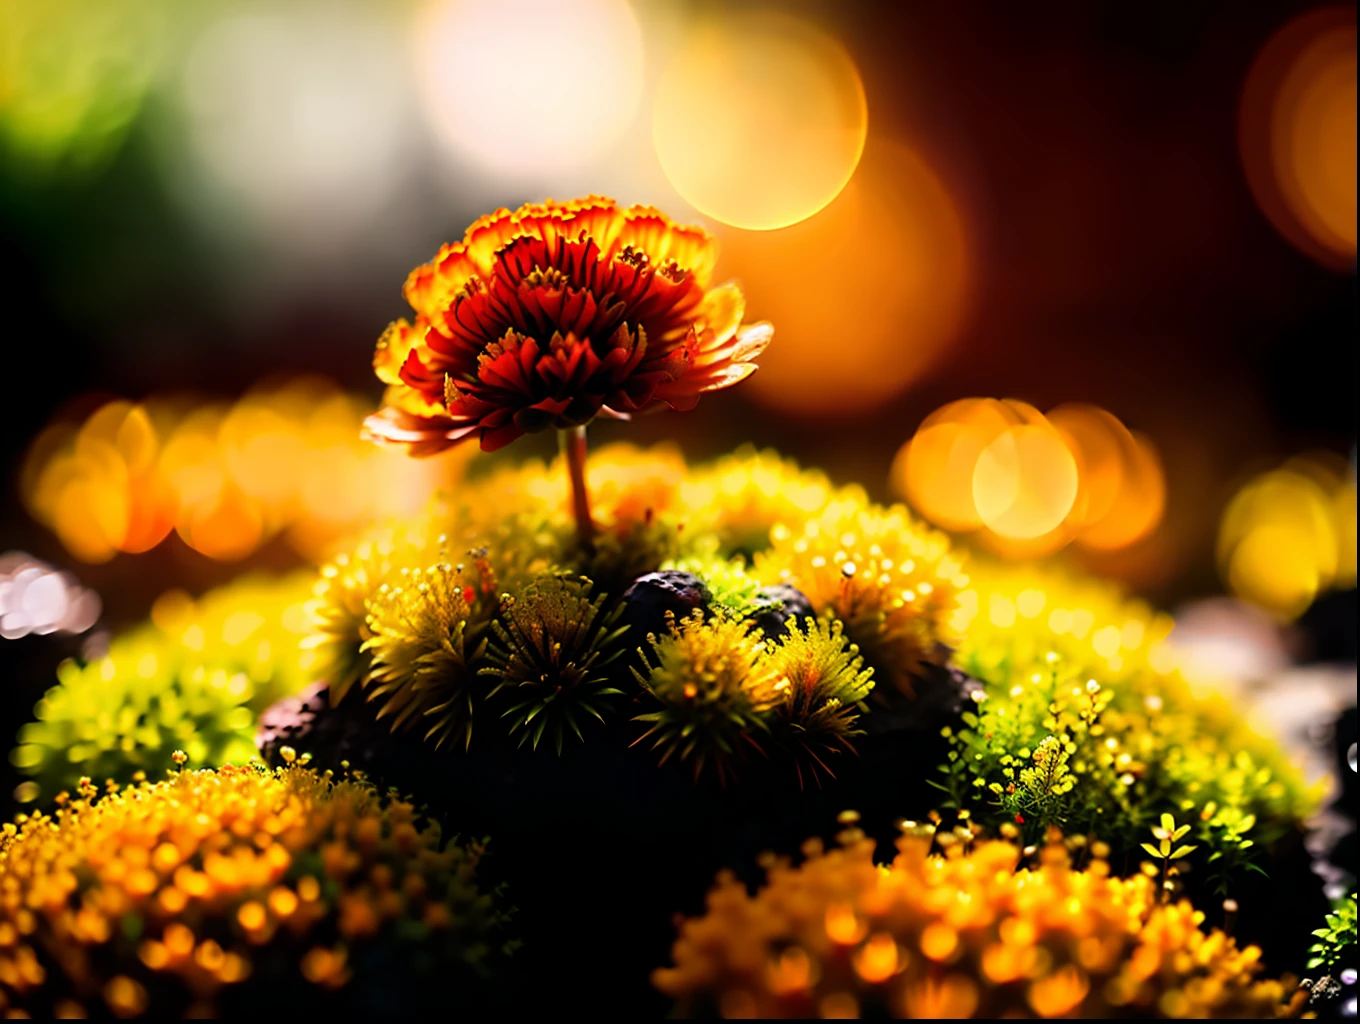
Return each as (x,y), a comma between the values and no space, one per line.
(727,579)
(1227,830)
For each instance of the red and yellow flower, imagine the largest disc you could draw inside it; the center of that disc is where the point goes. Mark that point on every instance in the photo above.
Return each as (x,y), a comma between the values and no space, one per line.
(555,314)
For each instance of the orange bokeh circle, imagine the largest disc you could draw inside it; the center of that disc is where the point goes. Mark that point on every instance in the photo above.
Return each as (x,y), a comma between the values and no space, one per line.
(1028,484)
(1139,507)
(866,296)
(935,469)
(1297,133)
(1025,482)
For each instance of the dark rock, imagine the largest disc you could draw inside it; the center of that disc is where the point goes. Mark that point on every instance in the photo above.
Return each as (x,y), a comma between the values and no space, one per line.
(650,597)
(1328,627)
(310,725)
(779,604)
(942,693)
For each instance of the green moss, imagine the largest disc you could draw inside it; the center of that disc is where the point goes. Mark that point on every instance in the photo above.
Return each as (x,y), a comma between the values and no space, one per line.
(196,683)
(1087,725)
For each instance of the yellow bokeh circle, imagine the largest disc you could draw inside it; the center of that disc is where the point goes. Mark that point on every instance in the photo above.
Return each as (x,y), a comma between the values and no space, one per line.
(759,120)
(1025,482)
(935,469)
(1289,534)
(286,458)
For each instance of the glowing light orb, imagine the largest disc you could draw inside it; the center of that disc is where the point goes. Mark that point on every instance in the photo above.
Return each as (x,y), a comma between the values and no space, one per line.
(867,295)
(99,486)
(935,469)
(36,598)
(1297,130)
(760,120)
(1139,506)
(530,86)
(227,529)
(1023,549)
(1103,448)
(1029,484)
(1025,482)
(1289,534)
(1343,515)
(1274,568)
(285,458)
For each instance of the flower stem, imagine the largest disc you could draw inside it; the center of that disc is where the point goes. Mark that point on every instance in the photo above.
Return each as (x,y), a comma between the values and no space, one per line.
(573,441)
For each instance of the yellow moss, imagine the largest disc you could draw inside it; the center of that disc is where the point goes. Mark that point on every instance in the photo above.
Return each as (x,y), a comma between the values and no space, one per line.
(716,686)
(224,874)
(891,580)
(967,932)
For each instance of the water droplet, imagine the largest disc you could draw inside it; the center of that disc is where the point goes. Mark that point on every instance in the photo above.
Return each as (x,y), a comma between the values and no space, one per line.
(1348,976)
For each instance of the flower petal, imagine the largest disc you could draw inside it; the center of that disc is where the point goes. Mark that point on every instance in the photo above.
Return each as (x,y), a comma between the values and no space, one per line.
(721,311)
(500,437)
(751,341)
(392,349)
(419,436)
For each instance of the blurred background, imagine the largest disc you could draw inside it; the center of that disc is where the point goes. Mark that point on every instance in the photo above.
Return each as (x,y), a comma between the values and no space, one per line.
(1136,222)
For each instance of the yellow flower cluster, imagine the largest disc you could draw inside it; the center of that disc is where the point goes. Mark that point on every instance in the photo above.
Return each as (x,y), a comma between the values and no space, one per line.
(627,485)
(161,899)
(726,689)
(890,580)
(975,929)
(339,611)
(822,685)
(741,497)
(429,628)
(525,511)
(193,679)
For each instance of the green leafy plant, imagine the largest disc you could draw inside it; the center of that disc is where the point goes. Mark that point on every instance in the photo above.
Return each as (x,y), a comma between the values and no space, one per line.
(1228,832)
(193,679)
(727,579)
(1337,940)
